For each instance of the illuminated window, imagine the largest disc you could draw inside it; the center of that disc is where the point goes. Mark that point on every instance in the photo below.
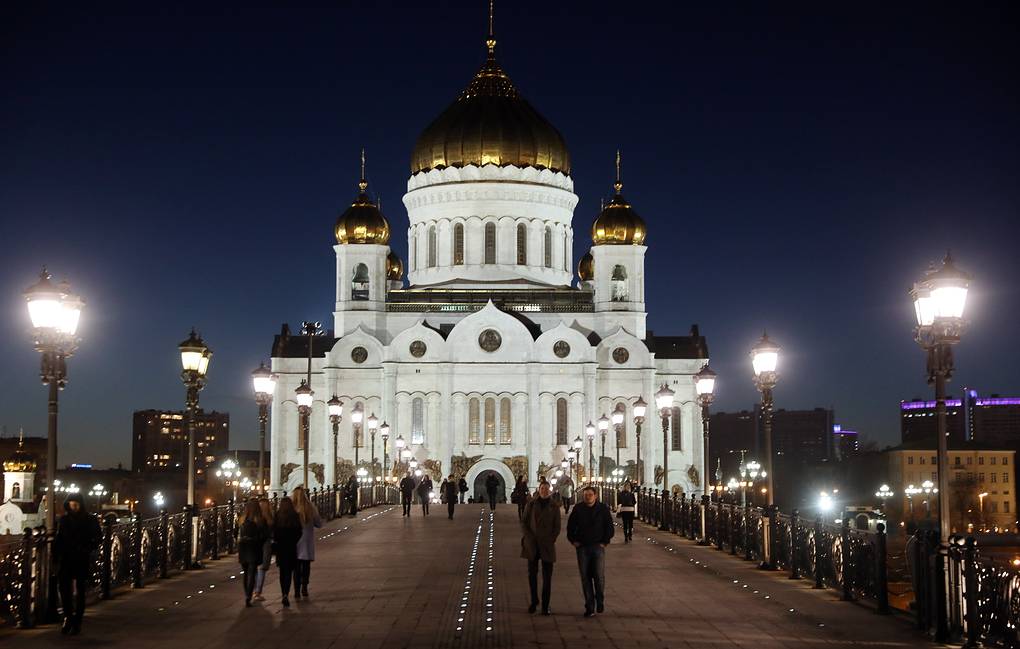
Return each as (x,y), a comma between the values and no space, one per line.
(474,436)
(418,421)
(621,439)
(356,432)
(432,246)
(458,244)
(490,421)
(562,434)
(505,428)
(490,243)
(522,244)
(675,432)
(566,254)
(548,247)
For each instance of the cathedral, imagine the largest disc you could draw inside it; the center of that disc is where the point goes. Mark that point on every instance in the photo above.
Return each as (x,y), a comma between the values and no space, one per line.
(485,354)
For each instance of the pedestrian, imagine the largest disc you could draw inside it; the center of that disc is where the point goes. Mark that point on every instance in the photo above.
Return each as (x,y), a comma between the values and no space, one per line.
(566,494)
(491,487)
(540,526)
(310,519)
(425,493)
(407,493)
(351,492)
(589,530)
(463,486)
(442,491)
(519,495)
(286,534)
(252,533)
(78,536)
(626,505)
(450,488)
(266,509)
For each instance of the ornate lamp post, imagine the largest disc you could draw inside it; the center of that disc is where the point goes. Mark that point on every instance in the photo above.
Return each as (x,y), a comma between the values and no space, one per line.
(910,491)
(357,415)
(640,407)
(230,473)
(603,427)
(336,413)
(311,330)
(704,385)
(399,444)
(928,488)
(617,418)
(939,301)
(304,395)
(589,430)
(373,424)
(578,449)
(55,313)
(884,494)
(384,431)
(664,401)
(158,499)
(764,360)
(264,382)
(98,491)
(195,357)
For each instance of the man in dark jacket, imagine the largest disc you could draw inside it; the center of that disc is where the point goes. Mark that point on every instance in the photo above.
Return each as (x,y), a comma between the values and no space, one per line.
(491,487)
(589,529)
(407,493)
(351,491)
(462,485)
(540,527)
(78,536)
(450,492)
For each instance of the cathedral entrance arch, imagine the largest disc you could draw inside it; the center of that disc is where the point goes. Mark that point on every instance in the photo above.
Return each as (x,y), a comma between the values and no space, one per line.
(481,470)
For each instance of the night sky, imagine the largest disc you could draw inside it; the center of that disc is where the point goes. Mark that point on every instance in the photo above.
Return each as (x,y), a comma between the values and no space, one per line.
(798,167)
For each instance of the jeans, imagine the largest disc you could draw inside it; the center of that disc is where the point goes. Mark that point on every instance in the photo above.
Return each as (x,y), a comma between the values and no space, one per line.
(591,561)
(352,504)
(449,508)
(407,501)
(547,569)
(520,508)
(462,498)
(286,568)
(301,575)
(424,504)
(73,584)
(492,500)
(628,524)
(251,572)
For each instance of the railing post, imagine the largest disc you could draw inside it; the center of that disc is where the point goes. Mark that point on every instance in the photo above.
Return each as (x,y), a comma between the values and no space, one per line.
(794,533)
(729,517)
(844,541)
(232,526)
(136,550)
(747,532)
(215,511)
(164,543)
(24,603)
(881,568)
(970,585)
(189,538)
(718,516)
(819,542)
(104,559)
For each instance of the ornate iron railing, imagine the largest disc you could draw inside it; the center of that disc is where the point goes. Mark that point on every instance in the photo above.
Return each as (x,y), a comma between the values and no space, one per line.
(135,552)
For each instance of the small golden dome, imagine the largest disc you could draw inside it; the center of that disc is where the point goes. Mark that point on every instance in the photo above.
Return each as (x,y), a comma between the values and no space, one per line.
(362,222)
(21,461)
(586,268)
(490,123)
(618,224)
(394,267)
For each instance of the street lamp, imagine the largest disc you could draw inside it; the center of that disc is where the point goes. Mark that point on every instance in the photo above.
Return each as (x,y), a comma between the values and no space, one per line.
(336,413)
(384,431)
(981,500)
(229,472)
(98,491)
(704,385)
(578,448)
(825,502)
(939,301)
(55,312)
(373,424)
(639,418)
(910,491)
(159,499)
(764,361)
(603,427)
(195,357)
(310,330)
(664,401)
(883,494)
(399,443)
(617,417)
(356,416)
(589,430)
(928,488)
(304,395)
(264,382)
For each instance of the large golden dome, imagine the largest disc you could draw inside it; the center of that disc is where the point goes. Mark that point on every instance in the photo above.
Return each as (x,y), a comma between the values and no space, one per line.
(362,222)
(490,123)
(618,223)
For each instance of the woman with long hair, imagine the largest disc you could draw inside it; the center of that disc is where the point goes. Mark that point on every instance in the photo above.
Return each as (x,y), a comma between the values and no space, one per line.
(251,537)
(286,534)
(266,508)
(310,519)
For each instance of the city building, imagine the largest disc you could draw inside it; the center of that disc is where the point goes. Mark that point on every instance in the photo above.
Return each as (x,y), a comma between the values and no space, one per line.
(798,436)
(982,484)
(846,443)
(159,441)
(494,356)
(20,507)
(991,420)
(33,446)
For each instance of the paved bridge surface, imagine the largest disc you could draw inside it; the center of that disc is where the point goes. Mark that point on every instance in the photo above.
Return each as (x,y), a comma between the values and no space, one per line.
(384,581)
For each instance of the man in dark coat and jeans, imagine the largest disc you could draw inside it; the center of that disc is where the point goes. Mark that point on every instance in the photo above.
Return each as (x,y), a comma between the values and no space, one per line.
(589,529)
(491,487)
(78,535)
(540,527)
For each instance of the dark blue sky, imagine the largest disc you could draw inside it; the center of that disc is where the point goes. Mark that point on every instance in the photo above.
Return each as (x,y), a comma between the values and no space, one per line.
(798,166)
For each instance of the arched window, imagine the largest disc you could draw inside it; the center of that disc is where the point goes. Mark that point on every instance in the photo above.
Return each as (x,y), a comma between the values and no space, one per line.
(359,283)
(621,440)
(619,284)
(561,422)
(490,421)
(432,246)
(358,432)
(414,251)
(474,436)
(566,254)
(16,491)
(548,247)
(418,421)
(505,427)
(490,243)
(458,244)
(522,244)
(675,432)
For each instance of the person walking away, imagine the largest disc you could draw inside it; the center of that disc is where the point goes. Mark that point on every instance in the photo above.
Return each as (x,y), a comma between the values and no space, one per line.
(78,536)
(450,489)
(519,495)
(463,487)
(286,534)
(442,491)
(310,519)
(566,494)
(589,530)
(626,504)
(540,527)
(351,491)
(491,487)
(251,537)
(266,509)
(407,493)
(425,493)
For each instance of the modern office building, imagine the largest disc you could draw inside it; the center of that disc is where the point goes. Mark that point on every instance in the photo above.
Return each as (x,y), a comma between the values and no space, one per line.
(159,441)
